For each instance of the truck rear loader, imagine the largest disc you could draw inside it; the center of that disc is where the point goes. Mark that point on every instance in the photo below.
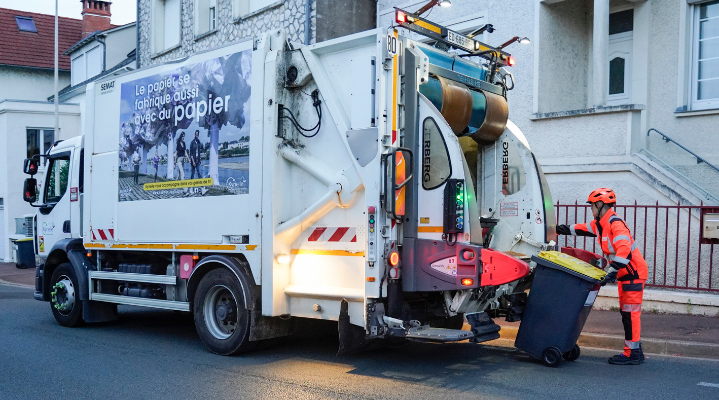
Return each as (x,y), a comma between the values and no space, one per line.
(373,180)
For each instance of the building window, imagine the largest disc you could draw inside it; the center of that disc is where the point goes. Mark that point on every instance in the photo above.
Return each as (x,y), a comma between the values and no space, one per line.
(77,69)
(705,69)
(167,18)
(86,65)
(39,141)
(25,24)
(205,16)
(244,7)
(619,55)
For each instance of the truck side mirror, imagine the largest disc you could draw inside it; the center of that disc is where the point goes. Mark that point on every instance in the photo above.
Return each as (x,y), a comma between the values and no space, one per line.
(30,166)
(28,193)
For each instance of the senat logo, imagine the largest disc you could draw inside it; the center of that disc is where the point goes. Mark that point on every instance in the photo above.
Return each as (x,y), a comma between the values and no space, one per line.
(107,86)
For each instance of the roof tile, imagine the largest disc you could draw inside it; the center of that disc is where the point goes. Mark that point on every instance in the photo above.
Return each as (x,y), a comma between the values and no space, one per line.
(30,49)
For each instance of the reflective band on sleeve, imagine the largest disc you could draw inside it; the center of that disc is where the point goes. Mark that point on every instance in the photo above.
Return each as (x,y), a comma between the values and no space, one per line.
(631,345)
(614,218)
(589,228)
(634,246)
(572,230)
(620,237)
(620,260)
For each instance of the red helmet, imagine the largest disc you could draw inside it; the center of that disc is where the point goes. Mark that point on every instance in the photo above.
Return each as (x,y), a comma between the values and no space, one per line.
(604,195)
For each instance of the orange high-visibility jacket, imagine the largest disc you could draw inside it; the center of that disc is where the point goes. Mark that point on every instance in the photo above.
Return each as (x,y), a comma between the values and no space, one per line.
(617,244)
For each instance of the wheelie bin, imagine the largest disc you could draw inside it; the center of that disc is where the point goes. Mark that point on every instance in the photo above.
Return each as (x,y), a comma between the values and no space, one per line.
(563,291)
(25,253)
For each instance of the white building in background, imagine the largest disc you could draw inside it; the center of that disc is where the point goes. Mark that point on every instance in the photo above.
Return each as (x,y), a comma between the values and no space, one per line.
(90,48)
(597,77)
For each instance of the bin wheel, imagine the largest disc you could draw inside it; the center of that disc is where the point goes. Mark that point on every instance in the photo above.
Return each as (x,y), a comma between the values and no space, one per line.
(551,357)
(573,354)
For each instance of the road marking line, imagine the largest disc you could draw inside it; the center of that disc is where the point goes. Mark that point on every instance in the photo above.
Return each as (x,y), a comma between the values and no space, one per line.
(3,282)
(707,384)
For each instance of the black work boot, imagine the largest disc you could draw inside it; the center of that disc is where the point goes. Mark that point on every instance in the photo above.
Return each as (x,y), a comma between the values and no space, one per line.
(641,353)
(635,358)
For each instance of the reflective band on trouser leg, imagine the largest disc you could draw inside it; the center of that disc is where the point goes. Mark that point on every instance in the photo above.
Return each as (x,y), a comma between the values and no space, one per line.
(630,303)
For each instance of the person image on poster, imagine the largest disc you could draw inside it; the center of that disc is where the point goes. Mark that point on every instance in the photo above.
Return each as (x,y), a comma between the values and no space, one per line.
(195,160)
(180,154)
(156,162)
(136,165)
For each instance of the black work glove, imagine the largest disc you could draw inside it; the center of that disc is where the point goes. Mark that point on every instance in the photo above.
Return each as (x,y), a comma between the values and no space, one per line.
(563,230)
(610,277)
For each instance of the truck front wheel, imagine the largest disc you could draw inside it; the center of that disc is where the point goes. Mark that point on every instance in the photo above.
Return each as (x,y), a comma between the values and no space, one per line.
(221,316)
(64,296)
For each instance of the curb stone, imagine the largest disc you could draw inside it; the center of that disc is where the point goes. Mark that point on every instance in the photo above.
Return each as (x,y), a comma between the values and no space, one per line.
(652,346)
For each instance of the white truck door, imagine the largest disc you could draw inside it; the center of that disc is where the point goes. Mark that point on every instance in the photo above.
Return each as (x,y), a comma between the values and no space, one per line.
(56,202)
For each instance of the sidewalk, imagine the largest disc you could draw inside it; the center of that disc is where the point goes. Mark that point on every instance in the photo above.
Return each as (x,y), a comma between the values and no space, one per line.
(680,335)
(11,274)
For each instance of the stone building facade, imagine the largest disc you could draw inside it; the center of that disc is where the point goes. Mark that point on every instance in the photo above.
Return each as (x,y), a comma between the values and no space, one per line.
(584,132)
(327,19)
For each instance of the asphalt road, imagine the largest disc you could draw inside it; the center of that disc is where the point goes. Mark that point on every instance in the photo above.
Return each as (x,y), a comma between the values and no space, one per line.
(156,354)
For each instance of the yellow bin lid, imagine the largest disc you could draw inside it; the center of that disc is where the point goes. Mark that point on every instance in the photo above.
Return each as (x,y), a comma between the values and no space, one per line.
(573,263)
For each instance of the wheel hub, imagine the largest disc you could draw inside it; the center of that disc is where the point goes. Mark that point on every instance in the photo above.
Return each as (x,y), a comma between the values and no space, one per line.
(221,312)
(63,295)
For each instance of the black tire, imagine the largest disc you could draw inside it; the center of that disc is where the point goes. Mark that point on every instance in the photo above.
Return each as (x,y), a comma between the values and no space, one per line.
(552,357)
(226,331)
(72,315)
(573,354)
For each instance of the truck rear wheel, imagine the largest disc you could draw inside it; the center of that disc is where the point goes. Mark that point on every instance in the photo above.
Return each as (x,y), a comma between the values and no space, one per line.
(221,316)
(64,296)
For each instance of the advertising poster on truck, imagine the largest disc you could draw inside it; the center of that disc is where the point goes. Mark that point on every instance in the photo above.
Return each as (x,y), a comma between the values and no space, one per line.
(185,132)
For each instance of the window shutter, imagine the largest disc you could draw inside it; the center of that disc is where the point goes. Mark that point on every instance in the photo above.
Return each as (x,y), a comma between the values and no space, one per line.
(259,4)
(171,23)
(94,62)
(78,70)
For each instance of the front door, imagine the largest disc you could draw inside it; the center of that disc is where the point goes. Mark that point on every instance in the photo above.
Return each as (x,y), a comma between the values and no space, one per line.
(56,203)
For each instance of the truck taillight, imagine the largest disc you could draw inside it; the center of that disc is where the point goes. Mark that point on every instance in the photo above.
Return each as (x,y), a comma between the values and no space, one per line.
(467,282)
(394,258)
(401,17)
(510,61)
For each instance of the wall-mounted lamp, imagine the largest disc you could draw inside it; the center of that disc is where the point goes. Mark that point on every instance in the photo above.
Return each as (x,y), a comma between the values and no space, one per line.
(524,40)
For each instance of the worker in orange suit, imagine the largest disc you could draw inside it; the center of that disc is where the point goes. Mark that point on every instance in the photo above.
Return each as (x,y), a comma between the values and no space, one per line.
(627,265)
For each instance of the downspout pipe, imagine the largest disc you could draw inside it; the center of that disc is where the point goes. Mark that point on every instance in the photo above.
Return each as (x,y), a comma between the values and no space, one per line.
(307,21)
(137,37)
(101,39)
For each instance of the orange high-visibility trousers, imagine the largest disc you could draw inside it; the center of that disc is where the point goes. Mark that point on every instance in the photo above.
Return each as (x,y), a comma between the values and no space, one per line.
(630,306)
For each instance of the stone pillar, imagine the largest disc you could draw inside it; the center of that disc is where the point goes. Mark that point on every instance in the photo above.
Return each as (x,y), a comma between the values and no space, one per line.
(600,43)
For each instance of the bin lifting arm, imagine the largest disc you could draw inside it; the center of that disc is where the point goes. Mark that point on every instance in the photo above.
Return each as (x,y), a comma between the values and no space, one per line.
(340,193)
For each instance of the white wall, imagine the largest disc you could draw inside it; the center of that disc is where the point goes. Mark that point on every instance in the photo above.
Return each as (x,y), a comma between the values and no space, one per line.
(119,44)
(29,84)
(15,118)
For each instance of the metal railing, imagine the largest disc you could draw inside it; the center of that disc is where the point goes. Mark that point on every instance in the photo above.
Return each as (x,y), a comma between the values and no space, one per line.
(669,238)
(668,139)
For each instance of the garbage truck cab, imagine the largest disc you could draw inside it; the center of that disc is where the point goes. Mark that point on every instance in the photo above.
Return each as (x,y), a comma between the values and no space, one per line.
(373,180)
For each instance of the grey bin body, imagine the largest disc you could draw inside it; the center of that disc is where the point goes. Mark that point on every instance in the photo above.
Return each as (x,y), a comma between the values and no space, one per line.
(557,308)
(25,253)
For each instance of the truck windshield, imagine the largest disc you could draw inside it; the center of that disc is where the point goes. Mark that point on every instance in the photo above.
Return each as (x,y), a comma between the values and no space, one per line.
(57,174)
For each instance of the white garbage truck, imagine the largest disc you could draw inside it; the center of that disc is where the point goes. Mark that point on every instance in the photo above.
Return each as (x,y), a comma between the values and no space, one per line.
(373,180)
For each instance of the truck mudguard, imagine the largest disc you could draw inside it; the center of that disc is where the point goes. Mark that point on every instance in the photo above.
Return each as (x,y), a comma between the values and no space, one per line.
(241,269)
(58,255)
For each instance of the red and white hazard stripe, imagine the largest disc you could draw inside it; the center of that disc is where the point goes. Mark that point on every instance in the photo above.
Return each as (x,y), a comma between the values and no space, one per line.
(333,234)
(103,234)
